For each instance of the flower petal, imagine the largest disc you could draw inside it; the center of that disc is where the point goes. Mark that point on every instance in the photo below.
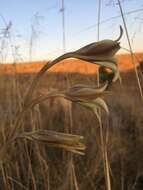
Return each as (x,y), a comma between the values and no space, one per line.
(101,103)
(108,48)
(85,91)
(95,104)
(102,50)
(111,66)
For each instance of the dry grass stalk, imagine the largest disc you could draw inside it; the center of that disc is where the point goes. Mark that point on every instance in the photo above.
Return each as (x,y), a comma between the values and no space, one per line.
(131,50)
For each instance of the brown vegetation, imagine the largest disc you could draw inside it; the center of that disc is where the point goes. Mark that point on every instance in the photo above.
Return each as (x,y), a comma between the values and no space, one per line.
(34,167)
(72,65)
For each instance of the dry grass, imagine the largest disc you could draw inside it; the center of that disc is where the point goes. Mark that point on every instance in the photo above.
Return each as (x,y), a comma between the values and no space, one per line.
(32,166)
(69,65)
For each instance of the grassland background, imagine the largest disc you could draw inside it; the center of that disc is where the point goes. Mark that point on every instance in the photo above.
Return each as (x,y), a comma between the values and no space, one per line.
(35,166)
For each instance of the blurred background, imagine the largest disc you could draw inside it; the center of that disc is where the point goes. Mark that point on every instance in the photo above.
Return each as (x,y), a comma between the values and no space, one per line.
(42,30)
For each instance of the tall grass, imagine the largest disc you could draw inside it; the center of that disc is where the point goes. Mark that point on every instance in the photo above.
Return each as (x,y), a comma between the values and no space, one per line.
(47,166)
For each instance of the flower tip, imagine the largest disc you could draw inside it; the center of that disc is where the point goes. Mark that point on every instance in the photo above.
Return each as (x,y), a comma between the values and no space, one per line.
(121,34)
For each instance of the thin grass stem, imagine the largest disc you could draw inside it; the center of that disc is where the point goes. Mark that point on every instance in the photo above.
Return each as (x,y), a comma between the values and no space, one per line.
(131,50)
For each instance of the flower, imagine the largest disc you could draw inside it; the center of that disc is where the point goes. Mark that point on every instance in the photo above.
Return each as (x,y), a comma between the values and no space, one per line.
(82,91)
(101,53)
(69,142)
(89,97)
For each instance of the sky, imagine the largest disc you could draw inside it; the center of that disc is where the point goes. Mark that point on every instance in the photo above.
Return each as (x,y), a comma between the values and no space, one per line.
(34,27)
